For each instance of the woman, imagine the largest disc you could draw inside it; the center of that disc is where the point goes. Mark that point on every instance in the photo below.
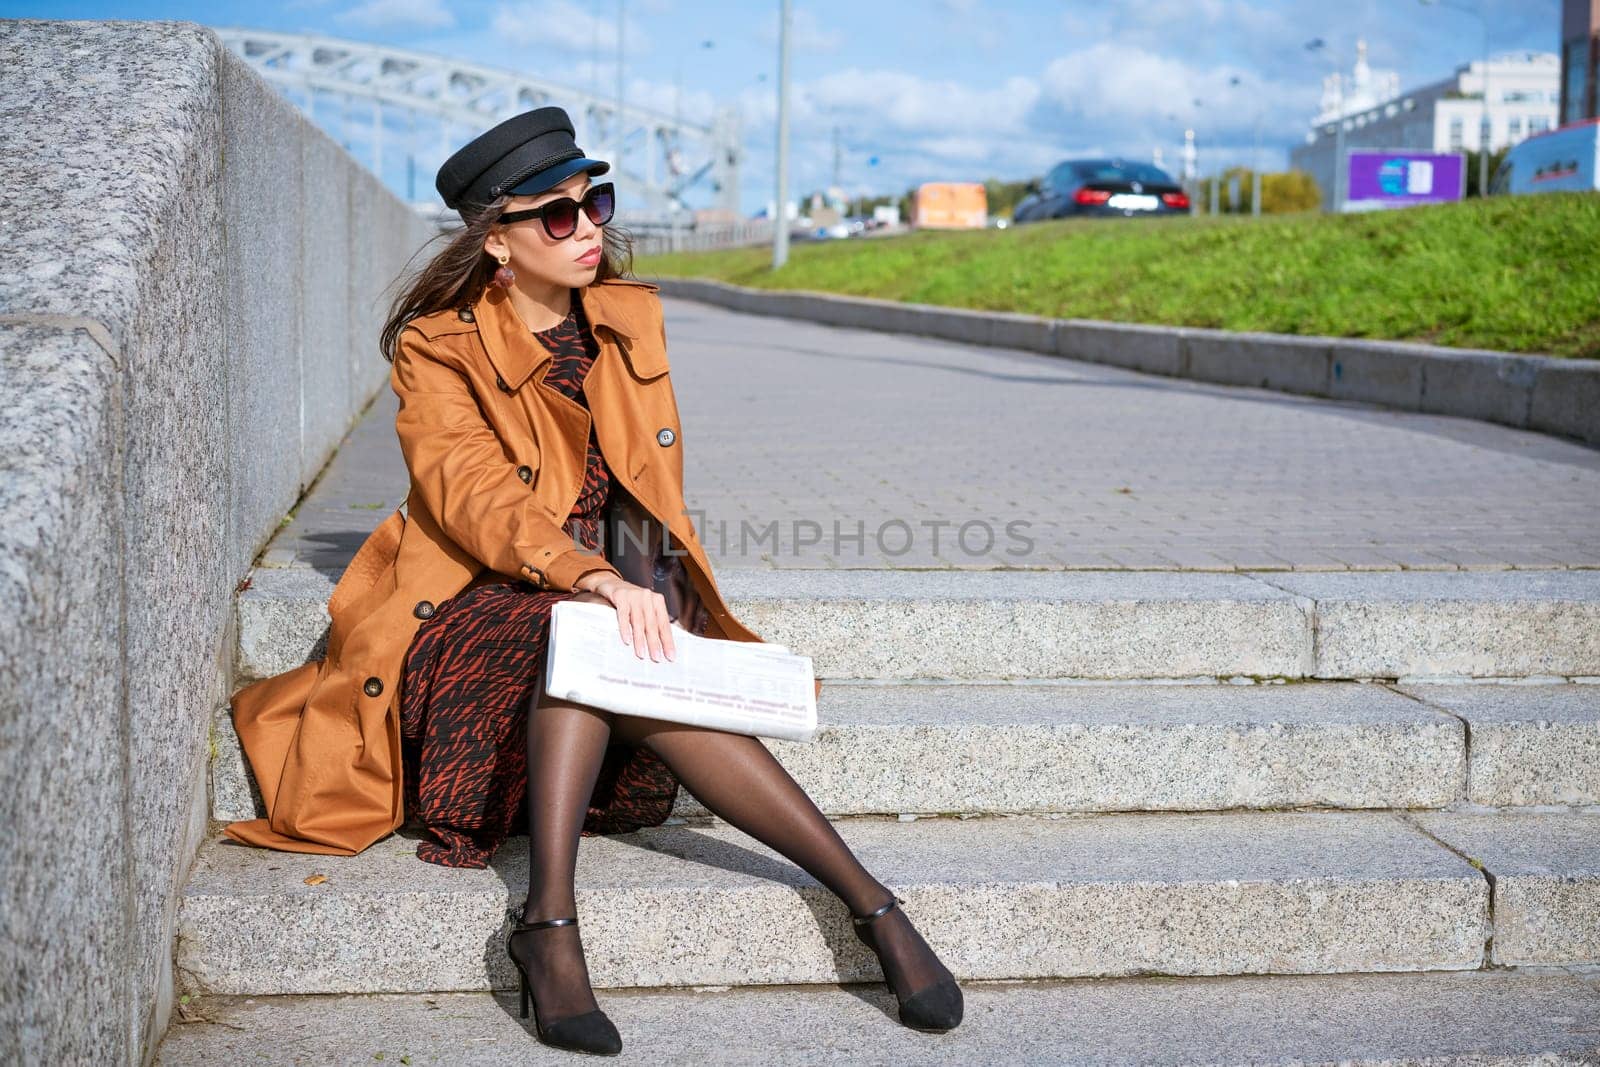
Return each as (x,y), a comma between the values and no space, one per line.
(536,229)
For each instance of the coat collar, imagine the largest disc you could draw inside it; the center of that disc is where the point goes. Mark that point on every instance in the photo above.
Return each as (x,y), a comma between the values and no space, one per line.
(510,343)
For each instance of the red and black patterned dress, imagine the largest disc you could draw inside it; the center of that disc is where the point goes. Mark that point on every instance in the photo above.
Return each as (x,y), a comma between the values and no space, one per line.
(472,666)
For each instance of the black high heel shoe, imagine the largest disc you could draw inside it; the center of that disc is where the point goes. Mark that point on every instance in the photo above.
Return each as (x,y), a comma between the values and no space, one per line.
(936,1008)
(590,1031)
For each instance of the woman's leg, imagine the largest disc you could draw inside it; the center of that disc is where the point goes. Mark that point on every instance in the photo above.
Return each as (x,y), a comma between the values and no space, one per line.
(566,745)
(738,779)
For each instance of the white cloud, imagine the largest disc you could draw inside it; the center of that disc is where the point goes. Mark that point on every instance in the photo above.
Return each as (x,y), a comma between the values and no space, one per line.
(398,14)
(894,100)
(1111,86)
(806,34)
(564,26)
(696,106)
(920,129)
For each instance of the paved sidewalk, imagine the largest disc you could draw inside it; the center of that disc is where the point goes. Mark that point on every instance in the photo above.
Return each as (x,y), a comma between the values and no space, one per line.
(928,453)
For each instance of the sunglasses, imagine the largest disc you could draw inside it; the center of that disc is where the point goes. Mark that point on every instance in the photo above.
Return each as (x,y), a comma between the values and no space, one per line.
(560,217)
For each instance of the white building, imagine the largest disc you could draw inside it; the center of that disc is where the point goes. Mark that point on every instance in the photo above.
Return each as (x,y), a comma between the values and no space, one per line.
(1445,116)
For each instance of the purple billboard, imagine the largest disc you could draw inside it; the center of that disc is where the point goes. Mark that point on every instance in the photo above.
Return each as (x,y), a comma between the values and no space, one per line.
(1400,178)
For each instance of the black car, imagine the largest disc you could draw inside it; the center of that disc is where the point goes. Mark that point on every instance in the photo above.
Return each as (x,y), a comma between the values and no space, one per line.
(1116,188)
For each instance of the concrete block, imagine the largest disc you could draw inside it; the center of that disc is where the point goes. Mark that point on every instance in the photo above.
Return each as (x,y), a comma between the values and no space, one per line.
(1531,744)
(1154,349)
(1466,624)
(962,325)
(178,571)
(1027,625)
(1038,747)
(957,624)
(63,718)
(892,316)
(1016,898)
(1033,333)
(261,192)
(1566,399)
(1377,372)
(325,175)
(1545,869)
(1260,360)
(818,307)
(282,621)
(1493,386)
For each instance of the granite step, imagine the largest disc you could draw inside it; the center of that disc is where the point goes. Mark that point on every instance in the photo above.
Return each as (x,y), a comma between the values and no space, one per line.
(1475,1018)
(1024,897)
(987,748)
(884,625)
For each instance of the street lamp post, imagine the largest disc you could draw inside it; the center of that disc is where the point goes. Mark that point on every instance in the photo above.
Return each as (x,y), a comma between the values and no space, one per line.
(780,224)
(1314,45)
(1233,83)
(1484,138)
(616,158)
(1193,146)
(1255,172)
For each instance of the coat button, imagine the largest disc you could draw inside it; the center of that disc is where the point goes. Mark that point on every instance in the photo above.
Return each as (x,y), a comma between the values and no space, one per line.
(665,436)
(423,610)
(374,686)
(501,382)
(524,472)
(465,314)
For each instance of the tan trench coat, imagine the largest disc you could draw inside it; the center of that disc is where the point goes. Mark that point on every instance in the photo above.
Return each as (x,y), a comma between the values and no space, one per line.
(496,462)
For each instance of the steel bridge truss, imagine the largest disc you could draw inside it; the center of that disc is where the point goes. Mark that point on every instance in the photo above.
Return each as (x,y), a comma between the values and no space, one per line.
(402,113)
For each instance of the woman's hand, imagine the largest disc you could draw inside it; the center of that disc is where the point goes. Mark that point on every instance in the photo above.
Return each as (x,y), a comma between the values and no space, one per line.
(642,618)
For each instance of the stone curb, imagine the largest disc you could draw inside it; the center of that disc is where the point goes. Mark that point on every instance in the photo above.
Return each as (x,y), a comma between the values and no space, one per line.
(1106,625)
(996,749)
(1105,895)
(1542,393)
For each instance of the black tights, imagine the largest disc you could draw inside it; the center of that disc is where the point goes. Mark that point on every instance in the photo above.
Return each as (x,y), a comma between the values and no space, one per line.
(736,777)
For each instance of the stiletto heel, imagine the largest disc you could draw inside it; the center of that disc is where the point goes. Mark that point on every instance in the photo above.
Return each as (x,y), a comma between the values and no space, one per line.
(590,1031)
(936,1008)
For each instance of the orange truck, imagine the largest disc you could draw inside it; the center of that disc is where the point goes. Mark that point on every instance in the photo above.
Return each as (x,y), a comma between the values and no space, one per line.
(950,206)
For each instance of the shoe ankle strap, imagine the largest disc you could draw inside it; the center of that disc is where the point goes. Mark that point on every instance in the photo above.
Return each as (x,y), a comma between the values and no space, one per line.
(862,920)
(517,925)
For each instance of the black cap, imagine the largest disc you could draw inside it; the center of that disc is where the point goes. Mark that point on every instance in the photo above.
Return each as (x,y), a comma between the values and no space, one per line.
(524,155)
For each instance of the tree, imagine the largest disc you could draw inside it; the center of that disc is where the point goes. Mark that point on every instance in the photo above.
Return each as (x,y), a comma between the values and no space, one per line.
(1495,159)
(1281,193)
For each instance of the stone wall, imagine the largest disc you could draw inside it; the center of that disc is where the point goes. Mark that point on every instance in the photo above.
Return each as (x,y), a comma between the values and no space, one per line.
(192,280)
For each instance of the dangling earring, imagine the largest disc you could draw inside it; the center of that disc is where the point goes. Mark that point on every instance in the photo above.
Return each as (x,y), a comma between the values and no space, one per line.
(504,275)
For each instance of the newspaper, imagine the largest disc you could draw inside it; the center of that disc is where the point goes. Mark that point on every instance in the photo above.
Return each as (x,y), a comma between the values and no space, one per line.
(741,686)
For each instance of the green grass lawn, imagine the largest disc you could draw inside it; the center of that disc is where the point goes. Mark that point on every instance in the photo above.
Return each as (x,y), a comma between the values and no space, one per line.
(1517,274)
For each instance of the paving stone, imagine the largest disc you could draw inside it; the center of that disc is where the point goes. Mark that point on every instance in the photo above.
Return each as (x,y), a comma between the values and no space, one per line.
(914,440)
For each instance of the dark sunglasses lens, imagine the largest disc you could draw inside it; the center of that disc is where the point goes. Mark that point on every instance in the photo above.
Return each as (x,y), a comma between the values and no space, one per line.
(562,217)
(598,204)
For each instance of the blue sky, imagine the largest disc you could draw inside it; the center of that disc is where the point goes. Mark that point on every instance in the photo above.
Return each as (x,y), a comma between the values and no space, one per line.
(958,90)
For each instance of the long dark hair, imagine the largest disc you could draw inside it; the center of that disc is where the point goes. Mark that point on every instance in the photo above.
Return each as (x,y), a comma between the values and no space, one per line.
(458,273)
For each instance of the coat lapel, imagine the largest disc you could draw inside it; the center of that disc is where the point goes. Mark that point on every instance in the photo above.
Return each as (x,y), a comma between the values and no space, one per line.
(510,344)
